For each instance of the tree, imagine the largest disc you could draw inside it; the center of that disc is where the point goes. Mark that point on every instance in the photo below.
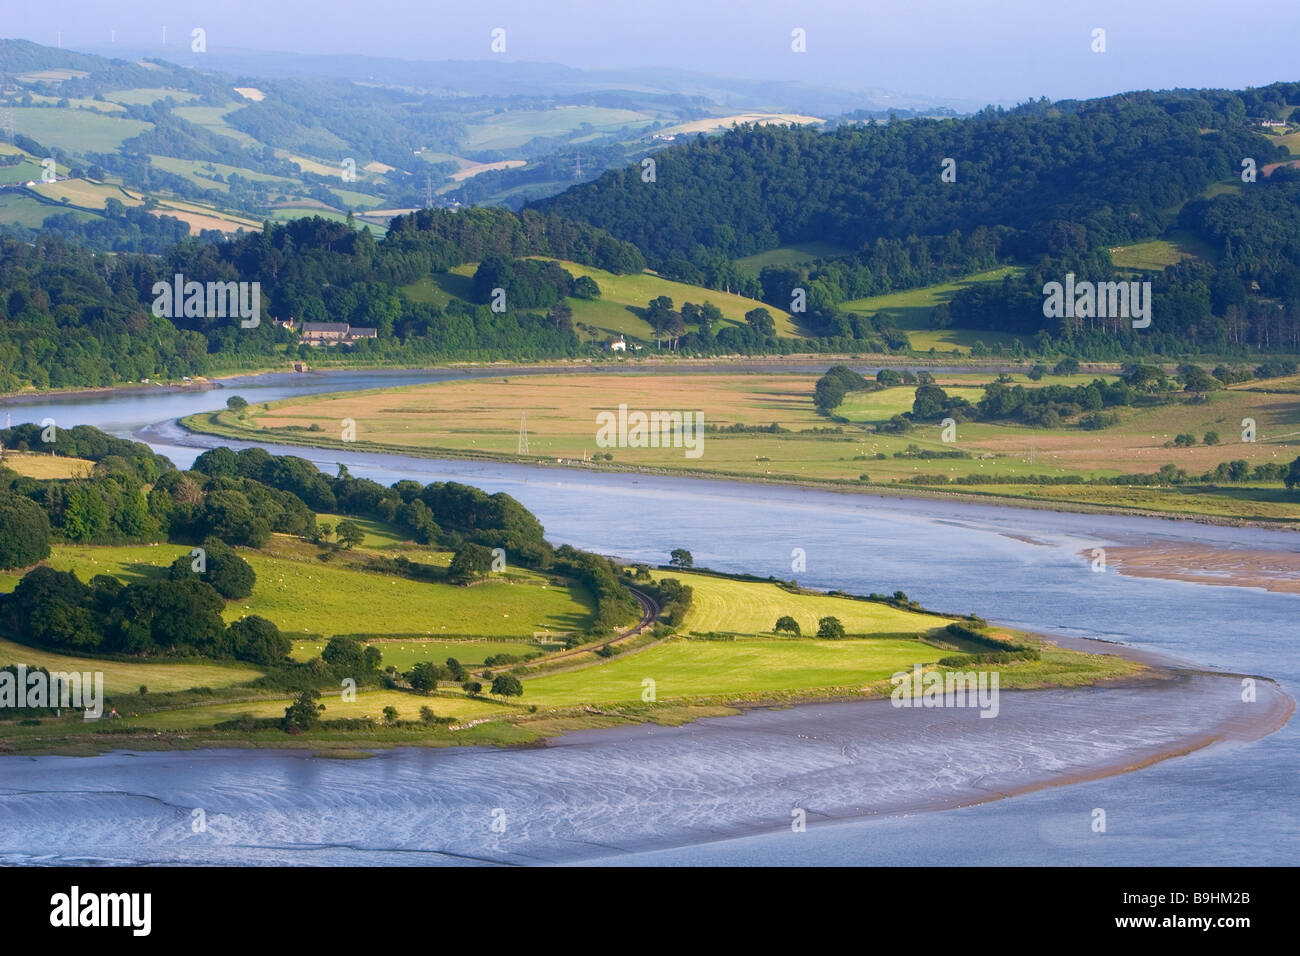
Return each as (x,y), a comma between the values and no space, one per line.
(761,321)
(345,654)
(350,533)
(217,462)
(1211,438)
(504,685)
(931,402)
(472,687)
(1067,366)
(426,715)
(457,672)
(236,403)
(390,715)
(681,558)
(1037,372)
(424,676)
(1292,479)
(470,561)
(304,713)
(224,569)
(786,623)
(24,531)
(585,287)
(257,640)
(830,628)
(888,377)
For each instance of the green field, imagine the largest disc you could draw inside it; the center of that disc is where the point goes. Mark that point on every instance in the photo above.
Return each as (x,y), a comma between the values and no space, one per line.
(143,96)
(405,653)
(213,118)
(1155,254)
(911,309)
(126,677)
(379,534)
(796,254)
(200,172)
(511,129)
(610,312)
(26,171)
(26,211)
(752,608)
(77,131)
(687,668)
(302,594)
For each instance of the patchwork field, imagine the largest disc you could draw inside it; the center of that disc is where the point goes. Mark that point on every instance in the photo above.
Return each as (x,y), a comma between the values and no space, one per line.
(481,418)
(513,128)
(83,192)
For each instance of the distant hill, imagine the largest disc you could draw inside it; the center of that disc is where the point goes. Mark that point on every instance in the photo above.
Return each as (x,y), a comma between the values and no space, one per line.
(222,140)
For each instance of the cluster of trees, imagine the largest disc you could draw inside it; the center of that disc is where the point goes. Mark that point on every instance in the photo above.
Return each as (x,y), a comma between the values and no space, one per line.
(70,319)
(1048,405)
(831,388)
(177,616)
(1221,308)
(526,283)
(829,628)
(614,603)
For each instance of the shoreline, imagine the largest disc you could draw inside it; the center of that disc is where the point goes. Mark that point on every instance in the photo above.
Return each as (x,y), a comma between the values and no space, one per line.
(722,363)
(841,763)
(839,486)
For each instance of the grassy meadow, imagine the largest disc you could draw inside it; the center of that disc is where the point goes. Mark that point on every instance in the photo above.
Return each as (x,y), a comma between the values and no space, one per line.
(911,309)
(622,300)
(480,418)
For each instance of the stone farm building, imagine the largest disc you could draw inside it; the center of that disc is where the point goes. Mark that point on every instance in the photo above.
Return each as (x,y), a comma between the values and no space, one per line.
(334,333)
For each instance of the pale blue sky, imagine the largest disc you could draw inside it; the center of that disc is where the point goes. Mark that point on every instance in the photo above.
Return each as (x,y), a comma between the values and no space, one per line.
(1001,51)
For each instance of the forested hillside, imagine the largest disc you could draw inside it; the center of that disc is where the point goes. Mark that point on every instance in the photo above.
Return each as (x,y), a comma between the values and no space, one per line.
(1053,186)
(70,318)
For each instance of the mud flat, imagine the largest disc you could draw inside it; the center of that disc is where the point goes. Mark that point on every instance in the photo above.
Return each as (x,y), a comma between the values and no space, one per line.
(1273,570)
(609,793)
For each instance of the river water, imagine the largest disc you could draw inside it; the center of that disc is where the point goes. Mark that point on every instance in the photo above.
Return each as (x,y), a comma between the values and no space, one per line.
(1231,803)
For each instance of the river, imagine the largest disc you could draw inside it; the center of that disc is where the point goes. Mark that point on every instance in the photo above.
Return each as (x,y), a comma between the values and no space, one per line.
(1231,803)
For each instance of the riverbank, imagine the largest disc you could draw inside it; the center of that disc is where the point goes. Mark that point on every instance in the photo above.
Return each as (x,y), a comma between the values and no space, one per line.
(811,361)
(607,794)
(136,388)
(210,423)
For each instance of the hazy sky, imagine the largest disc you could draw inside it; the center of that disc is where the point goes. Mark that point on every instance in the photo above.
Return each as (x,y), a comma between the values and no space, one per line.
(1000,51)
